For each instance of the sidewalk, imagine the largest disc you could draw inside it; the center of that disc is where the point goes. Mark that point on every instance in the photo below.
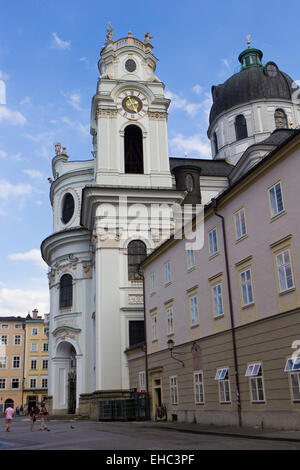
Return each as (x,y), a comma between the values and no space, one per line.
(231,431)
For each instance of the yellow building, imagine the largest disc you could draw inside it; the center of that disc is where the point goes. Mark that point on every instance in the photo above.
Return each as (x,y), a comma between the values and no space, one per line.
(36,360)
(12,344)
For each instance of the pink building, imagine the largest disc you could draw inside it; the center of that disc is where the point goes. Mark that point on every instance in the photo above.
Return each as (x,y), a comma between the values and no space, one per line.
(223,322)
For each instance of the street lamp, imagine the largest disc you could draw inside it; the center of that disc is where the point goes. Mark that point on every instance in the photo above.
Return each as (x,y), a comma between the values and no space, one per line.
(171,345)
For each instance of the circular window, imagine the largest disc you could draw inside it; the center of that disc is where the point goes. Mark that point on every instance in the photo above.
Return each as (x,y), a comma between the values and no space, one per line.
(130,65)
(68,206)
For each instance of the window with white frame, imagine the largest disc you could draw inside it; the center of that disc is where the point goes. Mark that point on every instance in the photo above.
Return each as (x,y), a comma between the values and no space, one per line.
(34,347)
(213,242)
(224,385)
(5,326)
(190,253)
(240,223)
(142,381)
(16,362)
(34,332)
(285,270)
(44,382)
(293,367)
(3,340)
(45,364)
(174,390)
(194,310)
(276,199)
(18,326)
(170,320)
(2,384)
(17,340)
(199,388)
(154,327)
(218,300)
(45,347)
(32,382)
(254,372)
(33,364)
(246,287)
(152,283)
(3,362)
(15,382)
(167,272)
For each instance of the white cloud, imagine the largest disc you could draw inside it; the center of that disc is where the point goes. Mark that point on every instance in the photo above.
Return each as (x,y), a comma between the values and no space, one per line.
(77,126)
(33,256)
(25,100)
(46,141)
(182,103)
(15,302)
(226,63)
(34,174)
(8,189)
(195,144)
(85,60)
(197,89)
(59,43)
(3,154)
(13,117)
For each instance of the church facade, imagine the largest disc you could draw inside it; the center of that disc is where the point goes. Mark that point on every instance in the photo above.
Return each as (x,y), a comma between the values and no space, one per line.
(111,212)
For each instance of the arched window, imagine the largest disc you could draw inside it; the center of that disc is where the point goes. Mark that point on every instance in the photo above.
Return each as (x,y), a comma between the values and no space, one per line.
(67,208)
(280,119)
(215,141)
(66,291)
(240,127)
(133,150)
(137,252)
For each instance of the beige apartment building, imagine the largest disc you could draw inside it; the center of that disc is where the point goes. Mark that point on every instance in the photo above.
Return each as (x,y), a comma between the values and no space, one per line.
(12,344)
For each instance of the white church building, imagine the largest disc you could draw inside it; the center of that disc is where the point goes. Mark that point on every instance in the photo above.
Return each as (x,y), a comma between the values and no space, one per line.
(110,212)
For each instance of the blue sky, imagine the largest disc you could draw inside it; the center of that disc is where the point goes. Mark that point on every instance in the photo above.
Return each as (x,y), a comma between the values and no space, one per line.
(49,51)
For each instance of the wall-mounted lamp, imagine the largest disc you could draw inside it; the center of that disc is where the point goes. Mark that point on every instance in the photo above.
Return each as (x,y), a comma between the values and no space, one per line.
(171,345)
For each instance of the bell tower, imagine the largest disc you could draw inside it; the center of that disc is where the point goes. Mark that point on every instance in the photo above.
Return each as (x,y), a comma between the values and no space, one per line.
(129,116)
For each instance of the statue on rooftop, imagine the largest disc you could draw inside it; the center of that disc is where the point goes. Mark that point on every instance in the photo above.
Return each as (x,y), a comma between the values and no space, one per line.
(147,37)
(58,148)
(109,35)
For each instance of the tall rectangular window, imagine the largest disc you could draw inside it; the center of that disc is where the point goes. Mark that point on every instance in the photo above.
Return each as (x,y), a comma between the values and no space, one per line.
(3,340)
(17,340)
(3,362)
(224,385)
(142,381)
(34,347)
(154,327)
(152,283)
(199,388)
(218,300)
(285,271)
(276,199)
(167,272)
(190,258)
(170,320)
(44,382)
(15,383)
(213,242)
(246,287)
(194,311)
(45,364)
(174,390)
(2,384)
(254,372)
(33,364)
(16,362)
(34,331)
(295,386)
(32,383)
(240,223)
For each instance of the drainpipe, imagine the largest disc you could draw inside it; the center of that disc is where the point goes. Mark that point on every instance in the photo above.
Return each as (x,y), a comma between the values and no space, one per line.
(145,333)
(237,386)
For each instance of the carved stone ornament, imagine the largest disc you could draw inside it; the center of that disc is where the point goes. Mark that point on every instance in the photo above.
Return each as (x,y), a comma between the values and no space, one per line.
(58,148)
(135,298)
(106,112)
(87,269)
(157,116)
(109,35)
(147,37)
(51,277)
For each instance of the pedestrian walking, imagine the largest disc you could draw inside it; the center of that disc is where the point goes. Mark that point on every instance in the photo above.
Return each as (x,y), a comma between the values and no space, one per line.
(21,410)
(32,417)
(9,412)
(44,412)
(17,411)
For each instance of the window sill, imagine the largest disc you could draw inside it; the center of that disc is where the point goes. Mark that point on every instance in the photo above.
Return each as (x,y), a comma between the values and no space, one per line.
(245,307)
(288,291)
(219,316)
(195,325)
(213,256)
(241,239)
(191,269)
(277,216)
(258,402)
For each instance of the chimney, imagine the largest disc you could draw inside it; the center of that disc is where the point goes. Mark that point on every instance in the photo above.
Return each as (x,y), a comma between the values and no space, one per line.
(35,314)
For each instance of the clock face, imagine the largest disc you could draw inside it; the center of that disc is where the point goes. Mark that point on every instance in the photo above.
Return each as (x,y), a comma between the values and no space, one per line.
(132,104)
